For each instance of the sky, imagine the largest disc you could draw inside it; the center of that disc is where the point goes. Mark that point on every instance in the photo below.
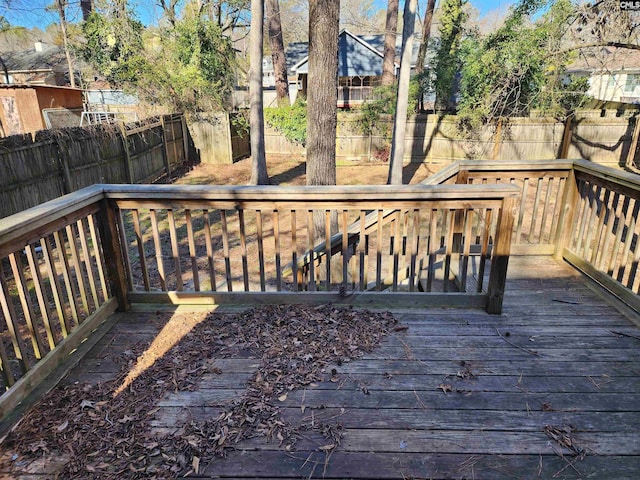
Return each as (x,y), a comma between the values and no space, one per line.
(32,13)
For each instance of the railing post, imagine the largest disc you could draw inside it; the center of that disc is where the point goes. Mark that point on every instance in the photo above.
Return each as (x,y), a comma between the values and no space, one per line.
(112,250)
(500,258)
(570,201)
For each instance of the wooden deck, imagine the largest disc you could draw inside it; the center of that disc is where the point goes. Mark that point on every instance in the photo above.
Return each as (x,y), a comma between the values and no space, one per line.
(457,394)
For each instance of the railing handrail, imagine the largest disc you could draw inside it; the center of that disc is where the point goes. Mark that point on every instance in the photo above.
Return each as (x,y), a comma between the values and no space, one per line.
(307,194)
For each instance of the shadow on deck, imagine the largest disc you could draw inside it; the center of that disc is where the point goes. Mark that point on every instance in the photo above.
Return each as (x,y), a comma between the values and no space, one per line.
(548,389)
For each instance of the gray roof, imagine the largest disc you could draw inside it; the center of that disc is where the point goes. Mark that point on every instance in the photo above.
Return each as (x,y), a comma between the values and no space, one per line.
(50,58)
(359,55)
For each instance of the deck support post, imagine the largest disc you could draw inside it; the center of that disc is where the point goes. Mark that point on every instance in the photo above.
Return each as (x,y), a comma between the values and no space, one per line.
(113,254)
(500,258)
(569,204)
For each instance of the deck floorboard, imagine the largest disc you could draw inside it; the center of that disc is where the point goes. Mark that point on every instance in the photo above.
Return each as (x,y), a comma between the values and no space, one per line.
(451,394)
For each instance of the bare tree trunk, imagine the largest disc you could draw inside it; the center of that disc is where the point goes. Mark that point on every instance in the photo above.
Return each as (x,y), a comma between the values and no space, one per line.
(322,97)
(322,115)
(277,52)
(63,27)
(422,52)
(390,30)
(402,100)
(426,33)
(259,174)
(87,7)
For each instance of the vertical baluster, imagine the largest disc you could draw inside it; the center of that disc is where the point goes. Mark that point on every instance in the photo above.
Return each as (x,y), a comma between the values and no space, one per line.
(140,245)
(414,239)
(41,295)
(225,249)
(484,248)
(5,367)
(294,252)
(243,247)
(627,240)
(209,245)
(87,262)
(173,235)
(633,267)
(125,247)
(591,224)
(97,249)
(192,251)
(27,305)
(276,238)
(557,202)
(397,243)
(10,317)
(311,256)
(604,212)
(523,204)
(327,246)
(620,222)
(77,267)
(608,234)
(158,246)
(56,290)
(433,248)
(450,218)
(259,226)
(586,201)
(536,207)
(466,251)
(345,251)
(60,248)
(361,257)
(379,252)
(545,211)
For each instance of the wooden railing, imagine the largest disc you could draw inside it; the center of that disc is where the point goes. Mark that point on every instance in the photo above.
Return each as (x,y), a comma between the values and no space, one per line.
(53,288)
(68,264)
(215,245)
(575,209)
(601,228)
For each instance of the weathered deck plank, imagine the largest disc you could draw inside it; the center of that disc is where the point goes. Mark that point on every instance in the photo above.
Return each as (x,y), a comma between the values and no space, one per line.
(451,394)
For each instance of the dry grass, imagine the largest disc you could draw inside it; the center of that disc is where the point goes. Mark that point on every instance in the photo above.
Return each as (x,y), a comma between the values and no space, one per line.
(292,172)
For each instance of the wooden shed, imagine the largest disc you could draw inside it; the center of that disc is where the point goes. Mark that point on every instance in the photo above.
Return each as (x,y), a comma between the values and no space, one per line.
(21,106)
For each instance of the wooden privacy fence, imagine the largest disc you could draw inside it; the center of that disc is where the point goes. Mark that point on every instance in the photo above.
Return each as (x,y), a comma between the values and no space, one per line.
(56,162)
(436,139)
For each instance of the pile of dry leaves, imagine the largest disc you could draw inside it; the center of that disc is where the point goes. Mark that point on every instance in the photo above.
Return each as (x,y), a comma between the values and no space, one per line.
(107,436)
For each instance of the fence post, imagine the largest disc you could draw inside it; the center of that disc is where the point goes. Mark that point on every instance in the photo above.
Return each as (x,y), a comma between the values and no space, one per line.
(500,257)
(185,138)
(165,155)
(631,155)
(497,139)
(127,155)
(567,135)
(108,227)
(568,207)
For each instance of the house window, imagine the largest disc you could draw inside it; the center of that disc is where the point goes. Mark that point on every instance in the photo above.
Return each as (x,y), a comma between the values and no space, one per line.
(612,81)
(631,83)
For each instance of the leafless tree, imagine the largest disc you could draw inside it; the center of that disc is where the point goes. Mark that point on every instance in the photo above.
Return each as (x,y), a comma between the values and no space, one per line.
(277,52)
(402,101)
(259,174)
(390,30)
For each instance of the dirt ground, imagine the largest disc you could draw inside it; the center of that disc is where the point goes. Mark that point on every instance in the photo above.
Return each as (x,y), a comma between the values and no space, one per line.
(293,172)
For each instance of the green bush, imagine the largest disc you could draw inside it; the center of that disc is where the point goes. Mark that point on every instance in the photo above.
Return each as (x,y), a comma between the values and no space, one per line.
(289,121)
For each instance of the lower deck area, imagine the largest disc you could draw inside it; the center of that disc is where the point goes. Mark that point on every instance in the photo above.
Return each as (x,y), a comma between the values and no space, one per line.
(548,389)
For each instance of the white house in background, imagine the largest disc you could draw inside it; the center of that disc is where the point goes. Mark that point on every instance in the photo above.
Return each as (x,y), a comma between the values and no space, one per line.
(614,74)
